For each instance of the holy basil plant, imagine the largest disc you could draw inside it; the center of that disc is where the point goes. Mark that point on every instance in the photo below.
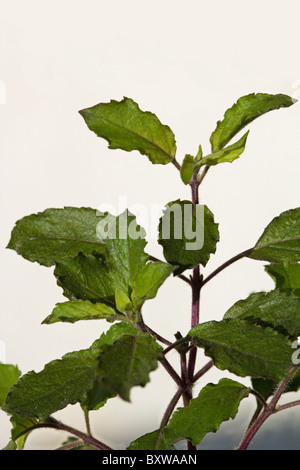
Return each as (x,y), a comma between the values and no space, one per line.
(101,263)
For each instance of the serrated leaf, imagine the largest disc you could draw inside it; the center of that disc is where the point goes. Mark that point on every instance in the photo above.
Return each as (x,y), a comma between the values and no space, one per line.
(62,382)
(215,404)
(244,348)
(285,276)
(126,127)
(187,169)
(275,308)
(147,282)
(228,154)
(280,241)
(97,278)
(245,110)
(76,310)
(9,375)
(128,362)
(188,234)
(56,235)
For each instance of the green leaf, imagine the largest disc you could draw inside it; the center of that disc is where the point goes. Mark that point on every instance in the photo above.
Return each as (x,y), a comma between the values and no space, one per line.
(266,387)
(97,279)
(56,235)
(228,154)
(286,276)
(215,404)
(61,382)
(275,308)
(245,110)
(21,427)
(76,310)
(187,169)
(128,362)
(244,348)
(125,255)
(126,127)
(149,441)
(86,278)
(147,282)
(123,302)
(9,375)
(280,241)
(188,234)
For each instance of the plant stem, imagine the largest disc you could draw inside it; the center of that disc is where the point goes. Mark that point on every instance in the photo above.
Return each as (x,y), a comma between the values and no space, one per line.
(267,412)
(202,371)
(225,265)
(87,422)
(54,424)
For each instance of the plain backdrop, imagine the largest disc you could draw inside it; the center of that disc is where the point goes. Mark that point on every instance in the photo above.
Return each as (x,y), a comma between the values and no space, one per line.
(187,62)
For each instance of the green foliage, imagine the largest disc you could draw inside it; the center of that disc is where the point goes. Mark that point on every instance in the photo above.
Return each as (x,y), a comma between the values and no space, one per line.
(101,264)
(126,127)
(188,234)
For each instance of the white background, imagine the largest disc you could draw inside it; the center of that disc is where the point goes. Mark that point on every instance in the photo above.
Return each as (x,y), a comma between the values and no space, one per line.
(187,62)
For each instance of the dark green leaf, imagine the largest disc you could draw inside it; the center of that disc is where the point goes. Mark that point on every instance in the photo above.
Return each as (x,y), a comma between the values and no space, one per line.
(128,362)
(147,282)
(9,375)
(280,241)
(244,111)
(61,382)
(228,154)
(126,127)
(276,308)
(188,234)
(56,235)
(76,310)
(21,427)
(215,404)
(286,277)
(244,348)
(187,169)
(86,278)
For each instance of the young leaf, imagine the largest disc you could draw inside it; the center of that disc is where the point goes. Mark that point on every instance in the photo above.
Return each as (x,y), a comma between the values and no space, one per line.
(286,276)
(76,310)
(61,382)
(147,282)
(228,154)
(57,235)
(244,111)
(187,169)
(280,241)
(275,308)
(188,234)
(245,349)
(9,375)
(126,127)
(128,362)
(123,303)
